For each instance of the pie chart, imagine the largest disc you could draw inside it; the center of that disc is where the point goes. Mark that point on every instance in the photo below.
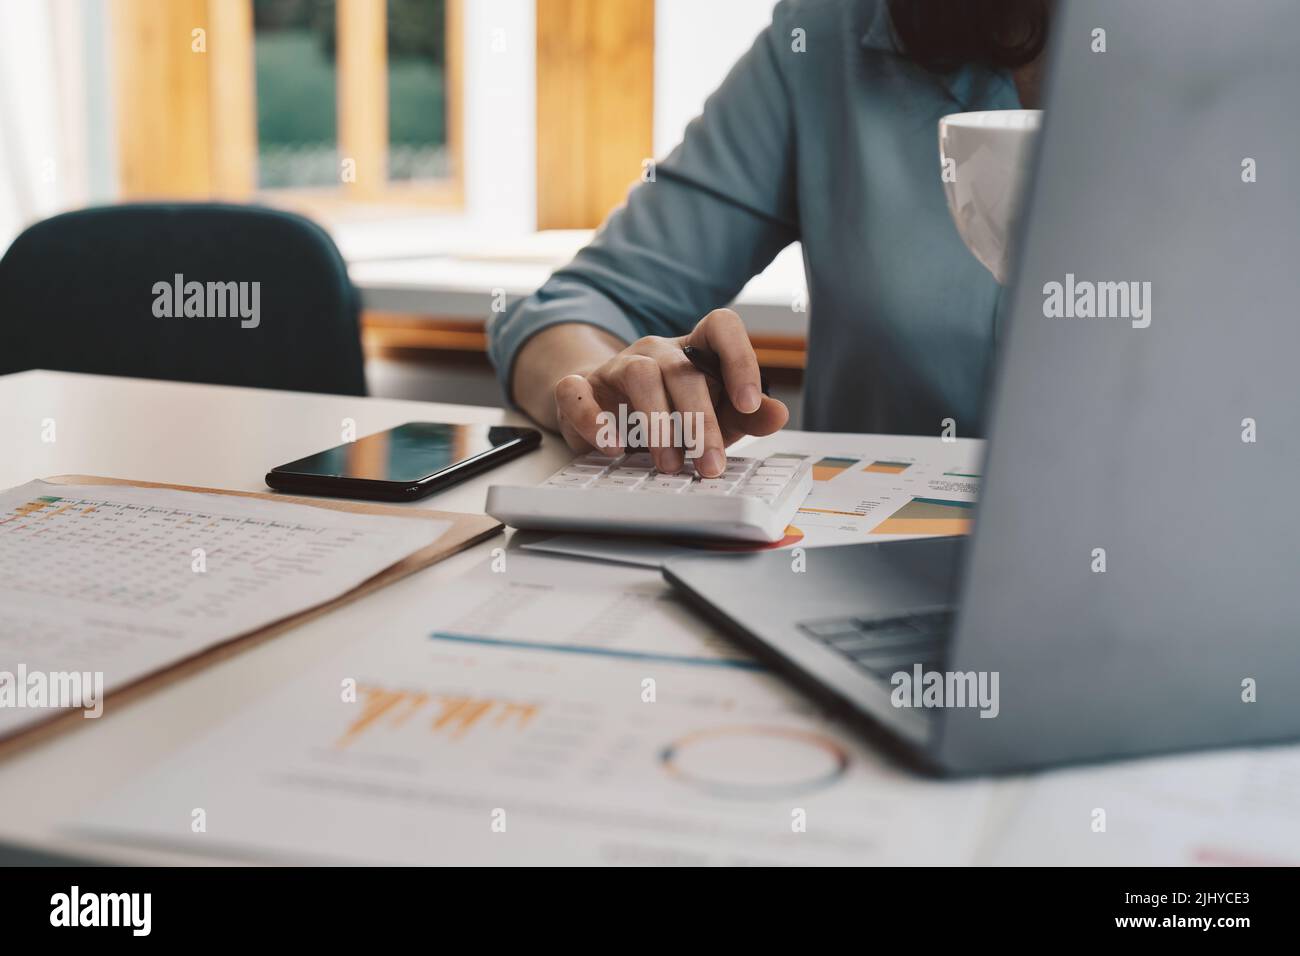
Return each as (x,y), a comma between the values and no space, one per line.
(751,762)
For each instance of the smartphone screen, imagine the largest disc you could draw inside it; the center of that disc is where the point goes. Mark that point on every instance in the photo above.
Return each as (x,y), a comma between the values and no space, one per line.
(405,454)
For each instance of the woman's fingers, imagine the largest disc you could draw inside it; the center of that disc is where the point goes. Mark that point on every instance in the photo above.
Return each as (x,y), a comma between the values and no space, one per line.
(679,407)
(643,384)
(690,394)
(578,413)
(772,416)
(722,333)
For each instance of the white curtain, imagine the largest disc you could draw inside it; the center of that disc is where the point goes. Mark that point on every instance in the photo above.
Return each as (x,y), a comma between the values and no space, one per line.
(52,77)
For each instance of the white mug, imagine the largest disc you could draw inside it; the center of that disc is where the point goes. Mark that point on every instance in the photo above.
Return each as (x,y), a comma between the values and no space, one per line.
(985,159)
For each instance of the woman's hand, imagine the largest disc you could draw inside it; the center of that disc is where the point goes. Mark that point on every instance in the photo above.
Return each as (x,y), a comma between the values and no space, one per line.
(652,375)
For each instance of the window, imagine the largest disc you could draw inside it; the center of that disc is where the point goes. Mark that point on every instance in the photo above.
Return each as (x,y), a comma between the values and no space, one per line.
(301,101)
(295,56)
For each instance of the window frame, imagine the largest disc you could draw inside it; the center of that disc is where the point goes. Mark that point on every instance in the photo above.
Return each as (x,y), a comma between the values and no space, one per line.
(202,108)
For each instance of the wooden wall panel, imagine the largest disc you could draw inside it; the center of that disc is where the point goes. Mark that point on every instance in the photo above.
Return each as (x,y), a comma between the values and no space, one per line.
(232,99)
(363,83)
(163,141)
(595,106)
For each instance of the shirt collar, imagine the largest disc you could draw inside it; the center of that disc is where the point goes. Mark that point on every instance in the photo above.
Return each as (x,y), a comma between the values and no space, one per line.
(880,32)
(970,86)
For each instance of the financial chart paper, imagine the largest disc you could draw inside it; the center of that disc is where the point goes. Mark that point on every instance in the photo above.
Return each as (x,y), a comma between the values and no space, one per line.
(124,581)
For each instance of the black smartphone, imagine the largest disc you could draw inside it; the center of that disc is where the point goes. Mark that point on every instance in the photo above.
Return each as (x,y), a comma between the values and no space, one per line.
(404,463)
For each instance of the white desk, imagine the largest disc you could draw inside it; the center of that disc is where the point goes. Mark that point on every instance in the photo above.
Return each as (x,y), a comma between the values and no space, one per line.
(228,438)
(217,437)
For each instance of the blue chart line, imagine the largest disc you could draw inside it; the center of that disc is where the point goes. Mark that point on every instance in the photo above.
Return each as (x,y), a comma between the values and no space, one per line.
(597,651)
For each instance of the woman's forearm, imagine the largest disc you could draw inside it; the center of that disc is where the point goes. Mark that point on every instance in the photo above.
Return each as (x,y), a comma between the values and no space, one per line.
(552,354)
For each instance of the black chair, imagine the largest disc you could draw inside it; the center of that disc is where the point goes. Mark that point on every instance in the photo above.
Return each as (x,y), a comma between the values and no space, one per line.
(97,290)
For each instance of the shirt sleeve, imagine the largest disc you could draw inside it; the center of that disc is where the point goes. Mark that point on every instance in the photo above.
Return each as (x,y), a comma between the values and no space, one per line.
(717,211)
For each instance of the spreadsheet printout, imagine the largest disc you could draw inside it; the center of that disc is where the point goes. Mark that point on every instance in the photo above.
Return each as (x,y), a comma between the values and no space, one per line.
(125,581)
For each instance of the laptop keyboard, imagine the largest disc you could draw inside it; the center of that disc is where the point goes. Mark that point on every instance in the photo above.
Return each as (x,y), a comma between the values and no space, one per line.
(881,646)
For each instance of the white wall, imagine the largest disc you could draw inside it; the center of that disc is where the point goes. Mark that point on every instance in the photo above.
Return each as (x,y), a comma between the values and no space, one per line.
(100,133)
(500,114)
(696,42)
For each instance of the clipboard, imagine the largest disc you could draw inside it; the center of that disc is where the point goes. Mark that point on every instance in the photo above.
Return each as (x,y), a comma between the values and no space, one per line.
(465,531)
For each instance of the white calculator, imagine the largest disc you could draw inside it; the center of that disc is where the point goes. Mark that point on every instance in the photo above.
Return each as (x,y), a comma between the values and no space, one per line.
(753,500)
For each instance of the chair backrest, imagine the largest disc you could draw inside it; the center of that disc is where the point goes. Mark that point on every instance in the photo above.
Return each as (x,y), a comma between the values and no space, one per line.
(199,292)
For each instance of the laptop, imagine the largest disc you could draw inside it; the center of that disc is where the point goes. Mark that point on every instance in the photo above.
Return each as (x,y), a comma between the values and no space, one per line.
(1132,582)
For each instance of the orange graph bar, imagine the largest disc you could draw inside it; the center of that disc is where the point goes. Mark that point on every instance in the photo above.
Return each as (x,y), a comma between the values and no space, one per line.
(887,467)
(831,511)
(828,468)
(455,717)
(924,526)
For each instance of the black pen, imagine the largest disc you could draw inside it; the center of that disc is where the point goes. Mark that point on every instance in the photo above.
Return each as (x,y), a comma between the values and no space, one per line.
(710,367)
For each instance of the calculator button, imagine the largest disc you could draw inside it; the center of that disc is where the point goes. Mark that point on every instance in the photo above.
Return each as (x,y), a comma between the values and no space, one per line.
(571,481)
(713,486)
(780,471)
(640,459)
(598,458)
(619,484)
(583,470)
(664,485)
(630,473)
(768,480)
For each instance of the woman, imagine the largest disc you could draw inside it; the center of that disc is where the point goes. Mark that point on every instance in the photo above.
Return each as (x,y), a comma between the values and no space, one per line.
(824,132)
